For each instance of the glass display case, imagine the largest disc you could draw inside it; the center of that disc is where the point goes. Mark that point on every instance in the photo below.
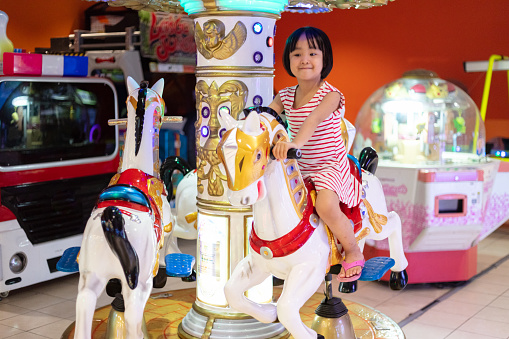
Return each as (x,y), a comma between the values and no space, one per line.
(421,119)
(55,119)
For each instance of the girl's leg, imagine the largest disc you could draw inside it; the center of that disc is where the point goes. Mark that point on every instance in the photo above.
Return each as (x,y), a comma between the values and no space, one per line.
(327,206)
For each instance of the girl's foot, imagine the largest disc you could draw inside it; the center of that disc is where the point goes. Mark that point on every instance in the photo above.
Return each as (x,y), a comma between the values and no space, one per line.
(352,265)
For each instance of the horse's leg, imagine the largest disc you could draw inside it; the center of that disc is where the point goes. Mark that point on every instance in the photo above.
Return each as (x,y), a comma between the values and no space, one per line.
(300,285)
(248,273)
(135,301)
(399,277)
(396,243)
(89,288)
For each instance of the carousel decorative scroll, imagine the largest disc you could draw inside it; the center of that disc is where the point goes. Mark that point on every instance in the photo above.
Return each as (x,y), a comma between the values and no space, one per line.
(233,91)
(211,42)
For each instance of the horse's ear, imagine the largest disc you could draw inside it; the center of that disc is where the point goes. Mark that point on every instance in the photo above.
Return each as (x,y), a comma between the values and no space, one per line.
(131,85)
(252,124)
(159,86)
(226,120)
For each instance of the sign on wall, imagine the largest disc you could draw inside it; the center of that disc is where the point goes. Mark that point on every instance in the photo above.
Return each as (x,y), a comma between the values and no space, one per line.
(167,37)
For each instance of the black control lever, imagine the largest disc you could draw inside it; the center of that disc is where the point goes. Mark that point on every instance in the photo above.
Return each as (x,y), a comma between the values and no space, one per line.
(293,153)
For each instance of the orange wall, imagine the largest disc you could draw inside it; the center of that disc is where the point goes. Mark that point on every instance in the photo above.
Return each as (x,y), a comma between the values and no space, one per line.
(371,47)
(33,22)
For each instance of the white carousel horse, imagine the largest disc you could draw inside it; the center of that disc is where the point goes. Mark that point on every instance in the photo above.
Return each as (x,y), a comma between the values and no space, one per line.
(184,214)
(288,240)
(124,233)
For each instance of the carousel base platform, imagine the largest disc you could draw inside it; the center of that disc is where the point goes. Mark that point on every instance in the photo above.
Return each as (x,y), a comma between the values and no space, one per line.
(165,311)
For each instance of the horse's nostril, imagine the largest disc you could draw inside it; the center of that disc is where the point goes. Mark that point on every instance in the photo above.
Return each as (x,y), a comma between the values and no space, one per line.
(244,201)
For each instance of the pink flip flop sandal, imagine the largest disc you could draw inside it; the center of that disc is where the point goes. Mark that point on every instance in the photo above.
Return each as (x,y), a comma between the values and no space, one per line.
(347,266)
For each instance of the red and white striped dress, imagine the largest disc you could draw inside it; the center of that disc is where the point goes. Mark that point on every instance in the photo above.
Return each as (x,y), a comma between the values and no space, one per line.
(324,157)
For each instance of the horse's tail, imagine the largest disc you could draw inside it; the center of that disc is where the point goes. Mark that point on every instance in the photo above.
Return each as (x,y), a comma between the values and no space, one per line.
(114,231)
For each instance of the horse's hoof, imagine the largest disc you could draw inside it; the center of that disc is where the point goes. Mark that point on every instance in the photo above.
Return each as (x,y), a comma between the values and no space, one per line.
(113,287)
(348,287)
(190,278)
(160,279)
(398,280)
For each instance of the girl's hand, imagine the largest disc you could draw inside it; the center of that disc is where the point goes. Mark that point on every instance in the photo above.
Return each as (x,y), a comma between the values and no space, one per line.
(281,149)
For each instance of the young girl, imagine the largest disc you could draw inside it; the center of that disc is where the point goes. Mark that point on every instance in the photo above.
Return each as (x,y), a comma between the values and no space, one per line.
(313,110)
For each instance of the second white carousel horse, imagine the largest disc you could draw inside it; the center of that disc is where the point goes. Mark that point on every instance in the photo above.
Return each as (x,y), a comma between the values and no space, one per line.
(288,240)
(125,231)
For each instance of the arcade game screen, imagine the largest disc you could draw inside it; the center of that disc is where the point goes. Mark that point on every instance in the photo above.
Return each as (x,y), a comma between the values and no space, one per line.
(54,121)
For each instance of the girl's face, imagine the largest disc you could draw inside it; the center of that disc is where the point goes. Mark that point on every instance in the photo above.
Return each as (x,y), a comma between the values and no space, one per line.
(306,63)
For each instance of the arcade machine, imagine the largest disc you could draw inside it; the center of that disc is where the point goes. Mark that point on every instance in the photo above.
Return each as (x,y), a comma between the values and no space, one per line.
(135,55)
(57,153)
(430,138)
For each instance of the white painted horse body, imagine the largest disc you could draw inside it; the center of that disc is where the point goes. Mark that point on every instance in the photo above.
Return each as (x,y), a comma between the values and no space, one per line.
(280,200)
(99,261)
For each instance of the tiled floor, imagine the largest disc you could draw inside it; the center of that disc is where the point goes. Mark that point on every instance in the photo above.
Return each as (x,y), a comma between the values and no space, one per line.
(476,310)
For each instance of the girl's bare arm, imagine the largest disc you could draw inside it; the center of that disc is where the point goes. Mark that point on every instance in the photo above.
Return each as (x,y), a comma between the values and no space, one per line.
(329,104)
(277,105)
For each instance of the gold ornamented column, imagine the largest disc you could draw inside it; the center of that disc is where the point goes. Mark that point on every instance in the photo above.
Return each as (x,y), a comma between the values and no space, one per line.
(234,71)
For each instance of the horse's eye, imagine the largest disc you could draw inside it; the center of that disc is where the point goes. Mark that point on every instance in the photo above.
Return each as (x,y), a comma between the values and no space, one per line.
(258,156)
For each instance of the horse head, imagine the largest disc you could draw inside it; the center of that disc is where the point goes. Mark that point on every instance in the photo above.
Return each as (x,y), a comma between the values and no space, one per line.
(244,151)
(145,108)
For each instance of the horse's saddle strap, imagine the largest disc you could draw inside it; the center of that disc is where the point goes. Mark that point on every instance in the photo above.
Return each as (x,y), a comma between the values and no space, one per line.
(129,194)
(284,245)
(290,242)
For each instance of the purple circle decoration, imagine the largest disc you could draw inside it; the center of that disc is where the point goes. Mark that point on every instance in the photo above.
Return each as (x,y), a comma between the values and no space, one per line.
(257,57)
(257,100)
(205,112)
(204,131)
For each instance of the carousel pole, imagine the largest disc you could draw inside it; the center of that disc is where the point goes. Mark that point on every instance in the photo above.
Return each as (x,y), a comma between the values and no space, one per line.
(235,59)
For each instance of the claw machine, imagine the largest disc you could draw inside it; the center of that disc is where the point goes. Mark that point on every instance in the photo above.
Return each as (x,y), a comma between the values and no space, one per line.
(430,138)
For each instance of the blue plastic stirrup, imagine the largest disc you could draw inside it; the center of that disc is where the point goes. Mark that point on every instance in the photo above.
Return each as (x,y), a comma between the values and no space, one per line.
(375,268)
(69,260)
(179,265)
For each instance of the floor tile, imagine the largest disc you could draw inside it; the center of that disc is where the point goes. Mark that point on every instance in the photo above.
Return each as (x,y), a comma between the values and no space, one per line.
(395,311)
(33,301)
(29,321)
(501,270)
(426,290)
(472,297)
(493,278)
(450,306)
(60,289)
(486,287)
(467,335)
(492,328)
(415,301)
(7,331)
(501,302)
(8,311)
(27,335)
(422,331)
(53,330)
(493,313)
(66,309)
(442,319)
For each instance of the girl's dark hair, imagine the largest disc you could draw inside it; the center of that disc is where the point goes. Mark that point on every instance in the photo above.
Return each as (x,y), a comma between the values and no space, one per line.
(316,39)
